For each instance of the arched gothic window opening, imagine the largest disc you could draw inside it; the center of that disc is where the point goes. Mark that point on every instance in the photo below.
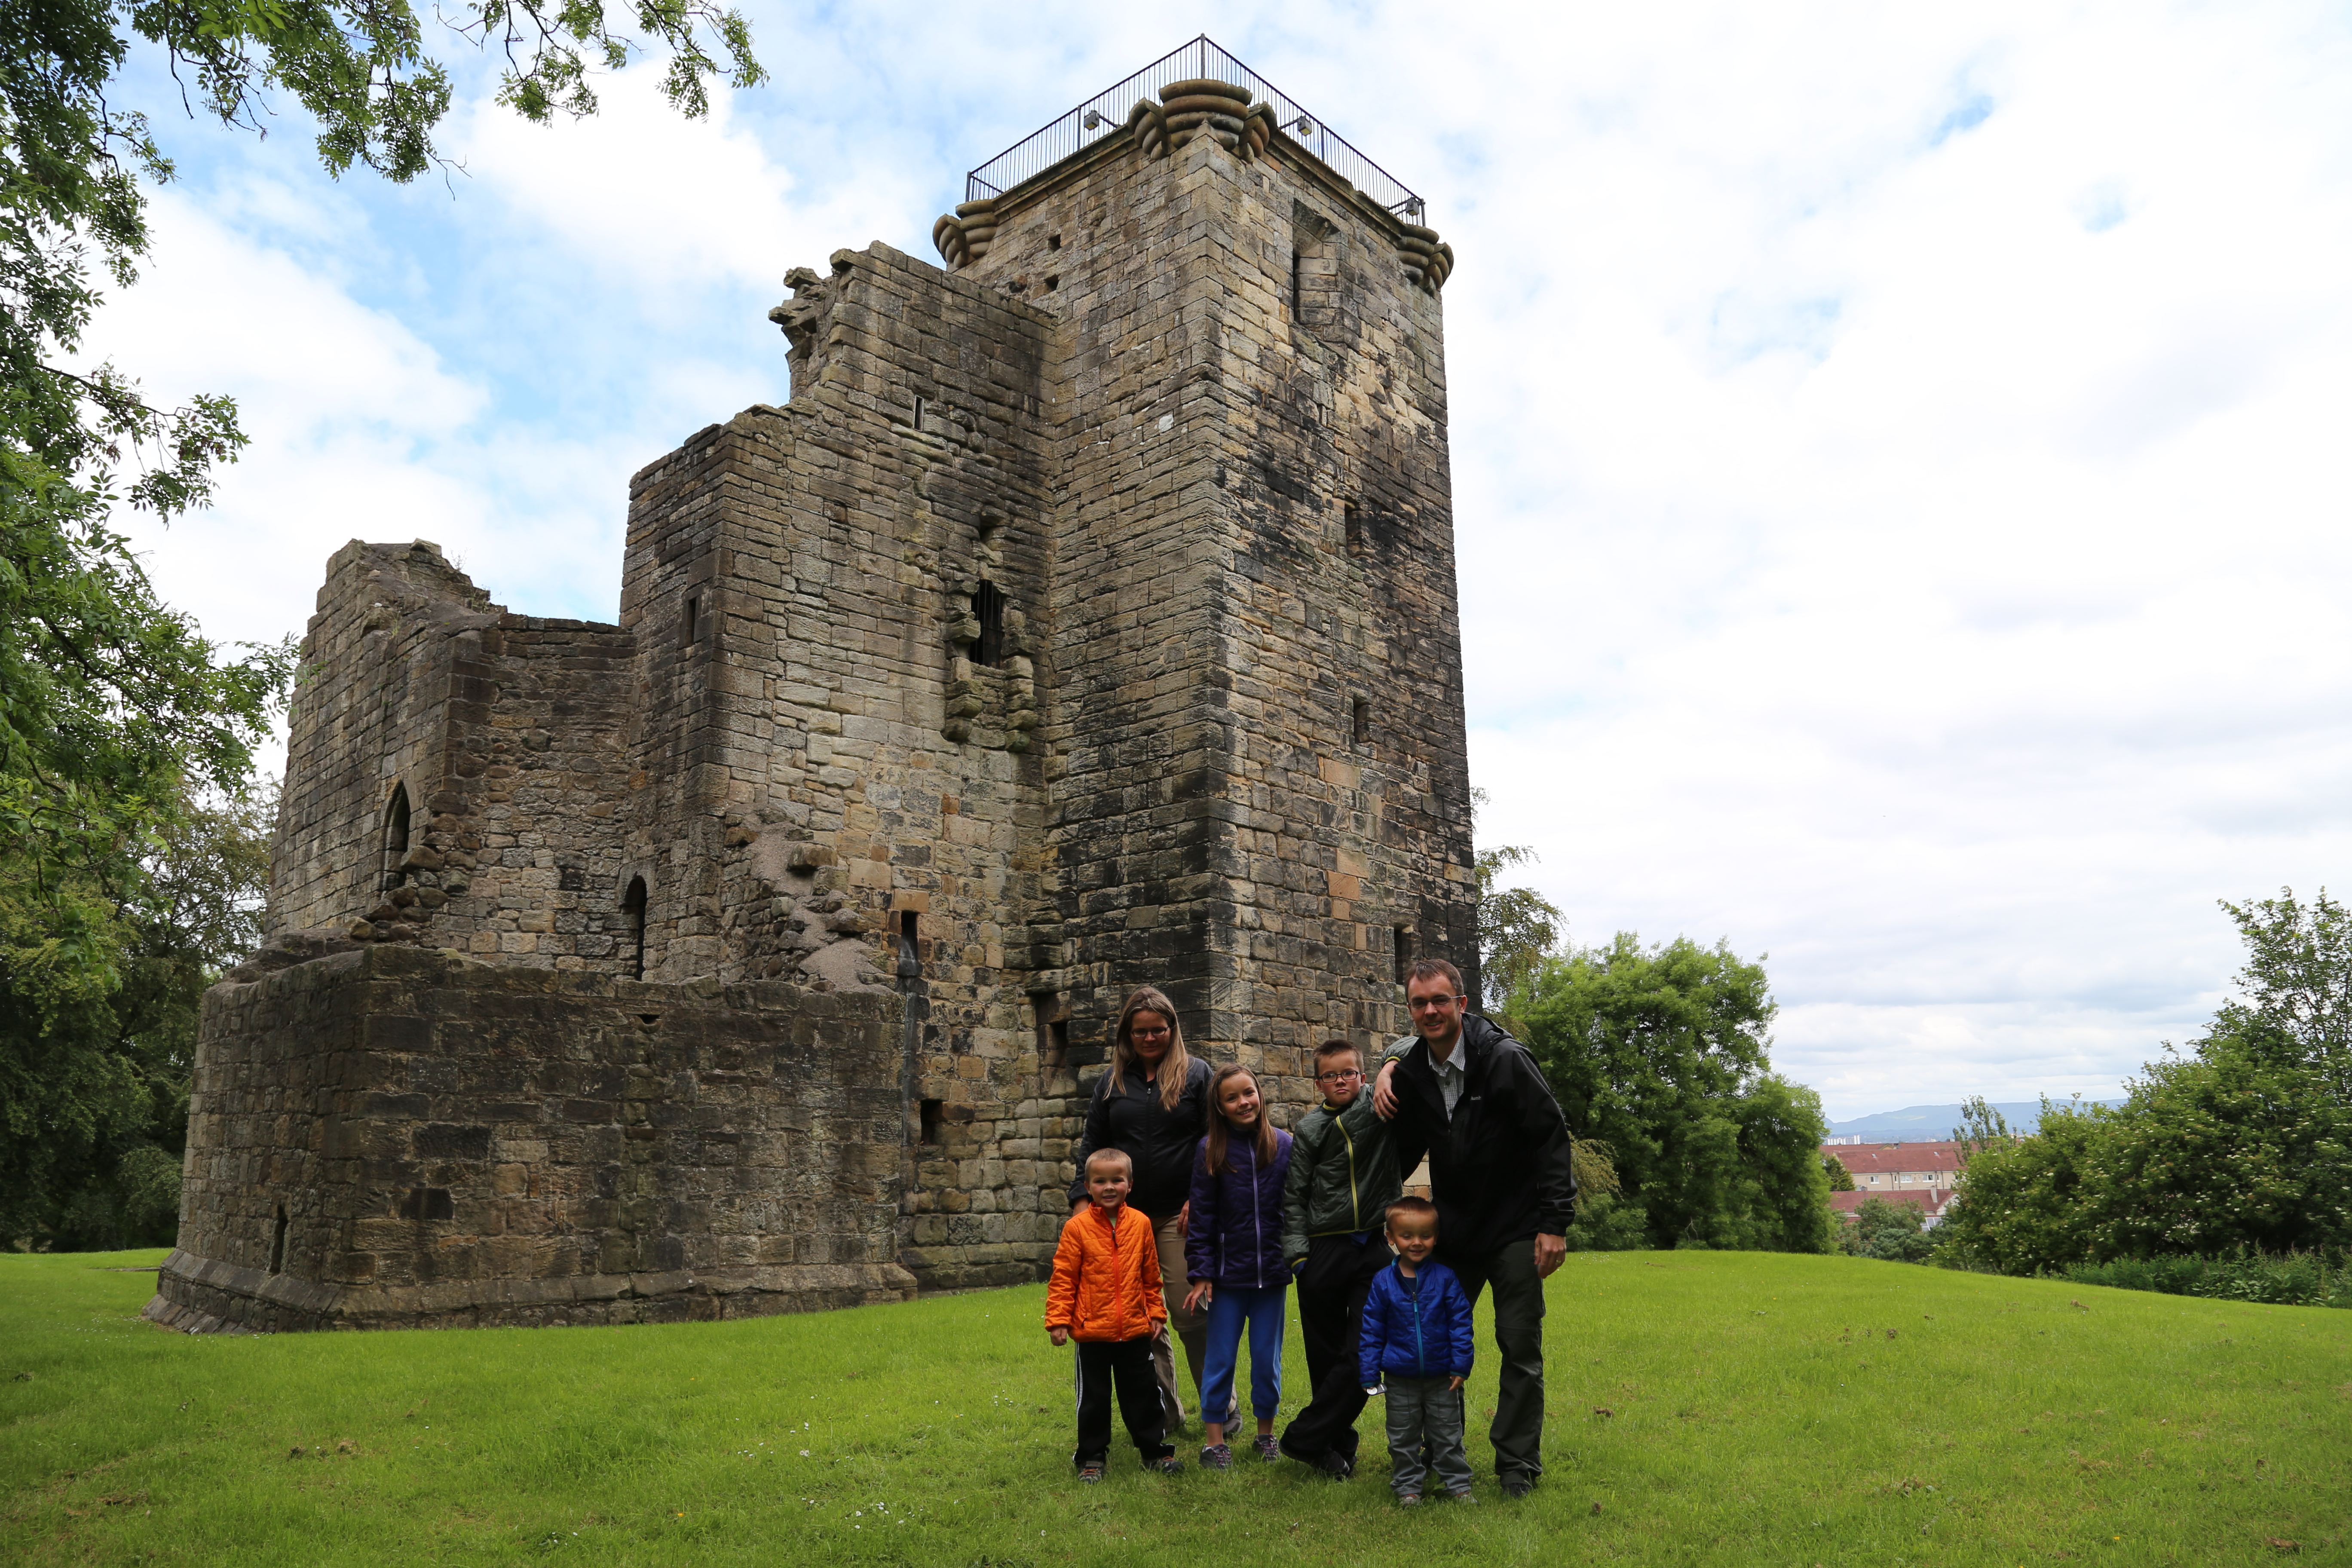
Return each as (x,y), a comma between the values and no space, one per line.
(633,913)
(395,836)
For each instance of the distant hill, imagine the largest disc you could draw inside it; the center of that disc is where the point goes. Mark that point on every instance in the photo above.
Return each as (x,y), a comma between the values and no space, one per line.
(1932,1123)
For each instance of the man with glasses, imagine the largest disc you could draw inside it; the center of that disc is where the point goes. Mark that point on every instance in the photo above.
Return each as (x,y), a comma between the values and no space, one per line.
(1343,1176)
(1472,1099)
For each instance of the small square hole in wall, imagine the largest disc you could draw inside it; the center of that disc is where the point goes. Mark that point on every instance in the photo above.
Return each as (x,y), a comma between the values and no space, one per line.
(1053,283)
(1053,242)
(931,1119)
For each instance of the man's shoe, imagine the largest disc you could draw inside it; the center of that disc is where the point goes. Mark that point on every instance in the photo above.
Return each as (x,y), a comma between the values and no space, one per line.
(1267,1449)
(1217,1457)
(1517,1483)
(1090,1472)
(1166,1464)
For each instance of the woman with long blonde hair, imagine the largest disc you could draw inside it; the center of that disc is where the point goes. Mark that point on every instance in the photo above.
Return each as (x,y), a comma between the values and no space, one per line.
(1152,1105)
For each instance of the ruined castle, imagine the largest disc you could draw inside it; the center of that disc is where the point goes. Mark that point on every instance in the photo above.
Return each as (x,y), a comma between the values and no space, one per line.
(1084,618)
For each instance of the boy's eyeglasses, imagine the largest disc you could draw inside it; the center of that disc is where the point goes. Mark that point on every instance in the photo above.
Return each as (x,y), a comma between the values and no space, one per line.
(1338,1077)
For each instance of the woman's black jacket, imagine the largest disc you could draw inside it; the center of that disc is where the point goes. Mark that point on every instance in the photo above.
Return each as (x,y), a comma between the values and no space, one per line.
(1161,1142)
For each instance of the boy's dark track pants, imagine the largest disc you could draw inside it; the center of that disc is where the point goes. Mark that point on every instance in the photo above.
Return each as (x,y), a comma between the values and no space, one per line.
(1339,1272)
(1124,1365)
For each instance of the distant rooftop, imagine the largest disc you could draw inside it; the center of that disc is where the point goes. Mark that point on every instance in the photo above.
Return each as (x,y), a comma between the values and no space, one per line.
(1107,112)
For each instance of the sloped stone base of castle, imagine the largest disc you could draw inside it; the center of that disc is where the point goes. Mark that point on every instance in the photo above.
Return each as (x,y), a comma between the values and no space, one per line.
(397,1137)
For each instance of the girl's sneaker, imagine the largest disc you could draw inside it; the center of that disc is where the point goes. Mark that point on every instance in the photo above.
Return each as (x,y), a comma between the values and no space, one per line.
(1267,1447)
(1217,1457)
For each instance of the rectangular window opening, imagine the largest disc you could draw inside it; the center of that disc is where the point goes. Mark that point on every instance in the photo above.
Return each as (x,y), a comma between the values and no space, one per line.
(1354,520)
(987,605)
(277,1242)
(919,412)
(1296,299)
(688,623)
(931,1110)
(1360,728)
(1403,952)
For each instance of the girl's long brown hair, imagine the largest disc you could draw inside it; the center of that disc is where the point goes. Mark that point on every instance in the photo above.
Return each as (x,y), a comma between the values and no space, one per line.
(1174,1068)
(1220,1134)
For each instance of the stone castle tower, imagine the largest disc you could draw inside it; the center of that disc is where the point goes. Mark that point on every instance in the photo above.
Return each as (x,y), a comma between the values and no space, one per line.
(1085,619)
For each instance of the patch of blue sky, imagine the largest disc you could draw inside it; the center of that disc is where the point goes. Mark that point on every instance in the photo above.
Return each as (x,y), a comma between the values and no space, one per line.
(2102,206)
(1973,110)
(1742,328)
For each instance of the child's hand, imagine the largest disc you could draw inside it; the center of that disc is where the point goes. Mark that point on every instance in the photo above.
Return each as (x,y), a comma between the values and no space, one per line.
(1061,1333)
(1454,1384)
(1203,1291)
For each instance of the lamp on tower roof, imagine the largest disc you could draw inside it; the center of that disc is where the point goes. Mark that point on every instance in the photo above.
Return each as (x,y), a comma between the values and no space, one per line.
(1303,126)
(1094,119)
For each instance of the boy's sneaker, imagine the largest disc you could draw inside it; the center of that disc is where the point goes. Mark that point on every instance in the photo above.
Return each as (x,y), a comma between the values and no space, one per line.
(1217,1457)
(1166,1464)
(1093,1472)
(1460,1494)
(1409,1499)
(1267,1449)
(1335,1465)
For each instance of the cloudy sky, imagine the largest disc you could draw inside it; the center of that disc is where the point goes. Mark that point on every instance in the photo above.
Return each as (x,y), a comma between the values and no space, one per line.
(1899,451)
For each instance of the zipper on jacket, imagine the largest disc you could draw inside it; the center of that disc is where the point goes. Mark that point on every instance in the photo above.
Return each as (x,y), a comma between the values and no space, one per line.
(1420,1360)
(1355,1199)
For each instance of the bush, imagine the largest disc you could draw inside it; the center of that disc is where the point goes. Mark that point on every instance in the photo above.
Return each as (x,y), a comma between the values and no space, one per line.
(1886,1230)
(2290,1279)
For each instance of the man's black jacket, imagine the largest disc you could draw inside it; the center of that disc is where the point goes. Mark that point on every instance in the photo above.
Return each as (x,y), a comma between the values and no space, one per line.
(1499,1168)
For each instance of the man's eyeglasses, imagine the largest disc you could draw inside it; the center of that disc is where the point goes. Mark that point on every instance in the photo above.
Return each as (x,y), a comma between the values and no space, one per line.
(1338,1077)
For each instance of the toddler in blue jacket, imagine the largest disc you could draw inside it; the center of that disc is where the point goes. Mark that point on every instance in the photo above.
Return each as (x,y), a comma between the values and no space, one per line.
(1417,1334)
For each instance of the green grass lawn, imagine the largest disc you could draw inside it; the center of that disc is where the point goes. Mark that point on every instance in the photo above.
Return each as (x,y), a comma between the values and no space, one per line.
(1762,1409)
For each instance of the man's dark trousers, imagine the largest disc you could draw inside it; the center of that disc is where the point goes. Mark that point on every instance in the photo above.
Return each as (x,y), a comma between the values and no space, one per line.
(1124,1366)
(1518,1429)
(1339,1270)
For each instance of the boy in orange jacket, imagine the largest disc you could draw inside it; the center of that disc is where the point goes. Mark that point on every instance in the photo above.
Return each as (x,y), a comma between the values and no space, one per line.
(1106,1295)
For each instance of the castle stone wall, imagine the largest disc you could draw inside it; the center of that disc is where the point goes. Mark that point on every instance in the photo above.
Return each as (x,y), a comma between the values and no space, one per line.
(404,1138)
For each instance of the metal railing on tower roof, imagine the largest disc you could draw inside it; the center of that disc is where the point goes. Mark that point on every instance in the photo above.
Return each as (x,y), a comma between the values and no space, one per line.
(1105,113)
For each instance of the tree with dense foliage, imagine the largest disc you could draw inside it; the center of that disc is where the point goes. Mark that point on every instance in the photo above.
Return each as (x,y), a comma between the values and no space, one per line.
(1888,1230)
(2244,1142)
(1660,1054)
(117,719)
(1841,1179)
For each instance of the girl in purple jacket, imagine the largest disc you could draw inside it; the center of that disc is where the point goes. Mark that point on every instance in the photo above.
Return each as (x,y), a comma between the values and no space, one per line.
(1232,1253)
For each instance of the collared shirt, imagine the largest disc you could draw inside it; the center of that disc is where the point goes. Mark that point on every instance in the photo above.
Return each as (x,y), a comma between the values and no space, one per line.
(1449,1075)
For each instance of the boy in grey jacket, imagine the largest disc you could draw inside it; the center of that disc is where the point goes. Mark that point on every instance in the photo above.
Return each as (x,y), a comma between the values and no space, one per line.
(1343,1176)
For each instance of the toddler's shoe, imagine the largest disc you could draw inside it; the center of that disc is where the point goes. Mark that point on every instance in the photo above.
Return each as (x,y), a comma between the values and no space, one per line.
(1409,1499)
(1460,1494)
(1090,1472)
(1267,1449)
(1217,1457)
